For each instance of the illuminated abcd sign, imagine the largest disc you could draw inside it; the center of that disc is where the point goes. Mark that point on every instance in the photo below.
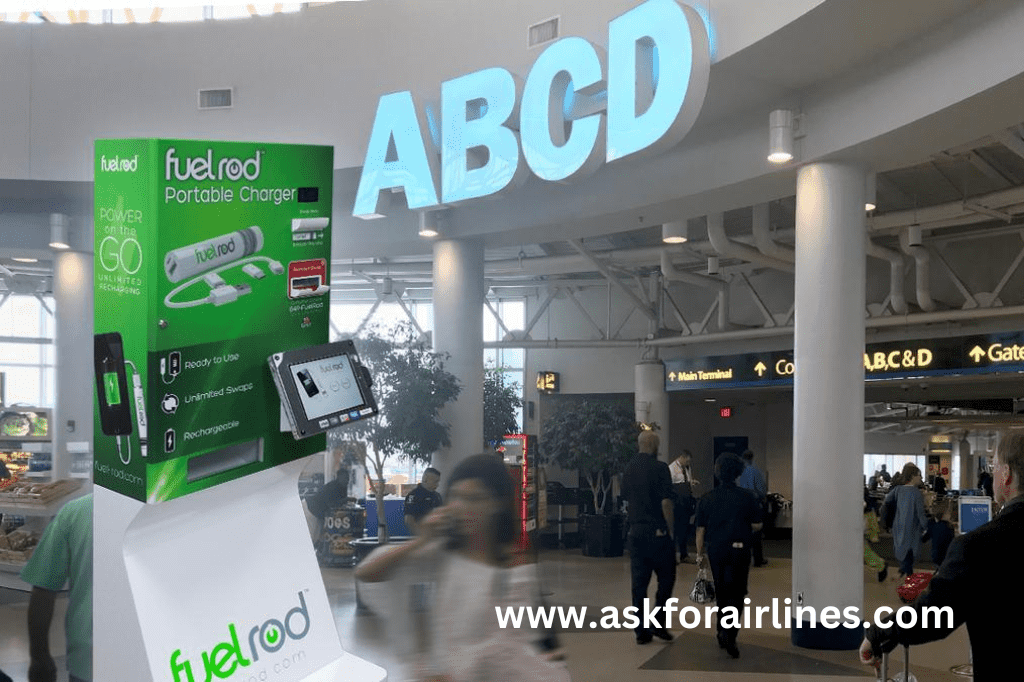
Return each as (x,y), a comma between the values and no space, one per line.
(658,62)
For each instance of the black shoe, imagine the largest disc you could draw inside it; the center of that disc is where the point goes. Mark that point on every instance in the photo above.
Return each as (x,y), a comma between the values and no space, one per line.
(662,633)
(644,638)
(761,563)
(883,574)
(731,649)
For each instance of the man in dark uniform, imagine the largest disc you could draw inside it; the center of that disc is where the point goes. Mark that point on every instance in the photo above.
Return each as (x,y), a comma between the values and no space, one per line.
(727,519)
(423,499)
(752,479)
(977,581)
(331,495)
(683,484)
(647,487)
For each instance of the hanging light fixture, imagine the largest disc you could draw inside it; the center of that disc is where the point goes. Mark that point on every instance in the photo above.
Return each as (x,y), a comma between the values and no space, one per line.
(870,192)
(780,136)
(674,232)
(59,231)
(428,224)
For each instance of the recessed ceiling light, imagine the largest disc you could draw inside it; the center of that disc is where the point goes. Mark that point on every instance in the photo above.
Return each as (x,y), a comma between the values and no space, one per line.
(22,259)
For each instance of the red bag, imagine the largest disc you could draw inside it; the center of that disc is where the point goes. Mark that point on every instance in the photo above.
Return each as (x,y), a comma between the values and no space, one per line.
(913,586)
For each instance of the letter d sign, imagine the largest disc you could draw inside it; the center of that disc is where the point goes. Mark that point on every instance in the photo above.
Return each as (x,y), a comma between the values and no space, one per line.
(664,38)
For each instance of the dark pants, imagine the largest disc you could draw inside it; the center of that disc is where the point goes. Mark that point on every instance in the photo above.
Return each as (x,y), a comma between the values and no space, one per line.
(684,508)
(650,554)
(907,564)
(730,568)
(757,547)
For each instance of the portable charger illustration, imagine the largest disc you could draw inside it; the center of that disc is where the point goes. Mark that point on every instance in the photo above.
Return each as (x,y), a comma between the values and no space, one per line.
(195,259)
(112,389)
(205,260)
(310,224)
(305,229)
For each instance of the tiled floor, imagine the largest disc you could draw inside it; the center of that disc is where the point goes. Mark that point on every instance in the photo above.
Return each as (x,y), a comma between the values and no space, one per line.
(595,656)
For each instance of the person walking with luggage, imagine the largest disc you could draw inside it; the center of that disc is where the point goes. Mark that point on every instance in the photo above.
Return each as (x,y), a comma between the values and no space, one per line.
(910,522)
(727,518)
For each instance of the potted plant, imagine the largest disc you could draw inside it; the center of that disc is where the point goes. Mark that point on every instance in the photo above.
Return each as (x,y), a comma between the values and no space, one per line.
(411,386)
(597,439)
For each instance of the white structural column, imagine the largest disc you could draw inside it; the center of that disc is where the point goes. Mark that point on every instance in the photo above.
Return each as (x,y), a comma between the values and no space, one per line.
(652,400)
(72,294)
(828,401)
(458,330)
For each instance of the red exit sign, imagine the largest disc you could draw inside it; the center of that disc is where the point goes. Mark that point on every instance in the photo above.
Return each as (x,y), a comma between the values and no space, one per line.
(725,412)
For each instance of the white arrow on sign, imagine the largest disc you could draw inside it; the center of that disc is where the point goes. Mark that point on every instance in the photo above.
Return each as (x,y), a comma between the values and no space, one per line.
(977,353)
(760,368)
(672,376)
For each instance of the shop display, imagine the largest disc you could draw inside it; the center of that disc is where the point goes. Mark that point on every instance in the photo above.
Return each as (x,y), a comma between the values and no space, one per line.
(22,423)
(31,493)
(210,257)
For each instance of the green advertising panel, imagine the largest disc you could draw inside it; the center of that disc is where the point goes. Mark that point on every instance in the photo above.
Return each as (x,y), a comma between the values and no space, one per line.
(209,258)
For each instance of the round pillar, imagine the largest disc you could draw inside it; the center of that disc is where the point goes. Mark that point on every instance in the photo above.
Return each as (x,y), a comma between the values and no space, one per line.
(828,401)
(652,400)
(73,325)
(458,330)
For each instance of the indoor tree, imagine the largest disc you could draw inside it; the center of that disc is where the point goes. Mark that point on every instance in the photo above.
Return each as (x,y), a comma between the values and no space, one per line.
(501,400)
(595,438)
(411,386)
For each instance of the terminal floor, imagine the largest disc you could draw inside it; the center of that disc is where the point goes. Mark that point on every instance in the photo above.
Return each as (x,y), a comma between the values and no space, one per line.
(571,579)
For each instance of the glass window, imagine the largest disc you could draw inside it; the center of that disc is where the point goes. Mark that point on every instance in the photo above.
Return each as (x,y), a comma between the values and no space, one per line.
(170,15)
(346,318)
(28,366)
(893,463)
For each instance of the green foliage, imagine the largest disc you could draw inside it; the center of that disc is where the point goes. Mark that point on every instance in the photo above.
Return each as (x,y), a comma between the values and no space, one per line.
(595,438)
(501,400)
(411,386)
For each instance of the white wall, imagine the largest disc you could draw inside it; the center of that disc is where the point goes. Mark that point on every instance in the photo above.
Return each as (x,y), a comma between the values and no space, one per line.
(767,424)
(893,444)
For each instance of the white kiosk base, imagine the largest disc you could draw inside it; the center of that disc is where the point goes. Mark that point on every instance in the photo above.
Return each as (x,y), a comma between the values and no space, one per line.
(222,584)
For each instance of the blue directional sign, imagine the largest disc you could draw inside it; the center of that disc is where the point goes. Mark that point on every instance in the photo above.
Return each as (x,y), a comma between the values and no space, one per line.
(978,354)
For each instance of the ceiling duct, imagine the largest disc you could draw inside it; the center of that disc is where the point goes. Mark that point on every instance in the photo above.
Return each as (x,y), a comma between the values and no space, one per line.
(922,270)
(897,297)
(726,247)
(762,236)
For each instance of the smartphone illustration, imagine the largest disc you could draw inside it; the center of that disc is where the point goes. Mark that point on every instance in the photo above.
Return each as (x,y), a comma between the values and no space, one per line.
(112,384)
(308,383)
